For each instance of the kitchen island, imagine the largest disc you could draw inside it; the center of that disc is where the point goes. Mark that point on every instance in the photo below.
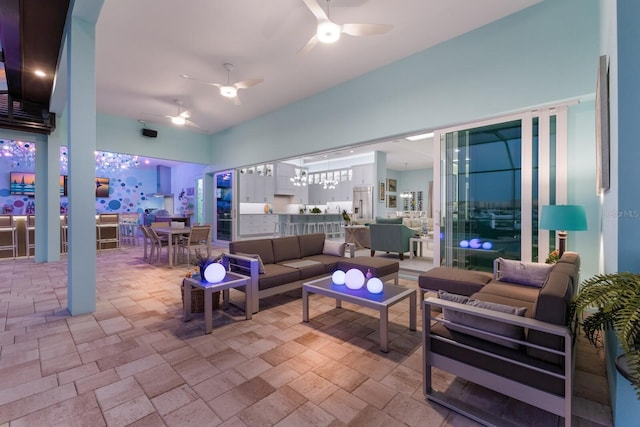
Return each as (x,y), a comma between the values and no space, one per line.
(303,221)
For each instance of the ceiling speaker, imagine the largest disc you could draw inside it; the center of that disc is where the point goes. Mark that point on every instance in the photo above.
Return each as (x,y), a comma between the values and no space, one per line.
(150,133)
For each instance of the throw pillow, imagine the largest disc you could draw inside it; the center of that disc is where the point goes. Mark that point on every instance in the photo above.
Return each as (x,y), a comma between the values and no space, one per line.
(488,325)
(523,273)
(255,256)
(334,248)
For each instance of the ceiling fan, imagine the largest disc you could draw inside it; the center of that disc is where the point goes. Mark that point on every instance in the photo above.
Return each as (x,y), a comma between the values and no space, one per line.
(182,118)
(228,90)
(329,32)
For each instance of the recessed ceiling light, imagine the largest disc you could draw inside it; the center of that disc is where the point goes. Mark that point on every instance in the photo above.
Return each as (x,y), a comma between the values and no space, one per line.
(419,137)
(39,73)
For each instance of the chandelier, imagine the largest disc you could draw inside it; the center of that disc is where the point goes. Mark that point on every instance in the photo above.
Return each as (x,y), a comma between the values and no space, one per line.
(105,162)
(22,154)
(300,178)
(330,182)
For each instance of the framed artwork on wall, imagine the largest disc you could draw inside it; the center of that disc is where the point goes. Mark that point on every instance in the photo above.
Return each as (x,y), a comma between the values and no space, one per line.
(191,191)
(391,185)
(391,201)
(381,194)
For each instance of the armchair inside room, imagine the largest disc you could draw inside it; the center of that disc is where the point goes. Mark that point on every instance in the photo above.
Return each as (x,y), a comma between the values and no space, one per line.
(390,238)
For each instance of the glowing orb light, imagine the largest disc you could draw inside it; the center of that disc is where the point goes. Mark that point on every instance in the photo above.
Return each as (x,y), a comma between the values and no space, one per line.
(214,273)
(475,244)
(338,277)
(464,243)
(354,278)
(487,245)
(374,285)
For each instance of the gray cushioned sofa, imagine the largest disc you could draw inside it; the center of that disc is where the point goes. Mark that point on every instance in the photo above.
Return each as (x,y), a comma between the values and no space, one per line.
(288,262)
(535,365)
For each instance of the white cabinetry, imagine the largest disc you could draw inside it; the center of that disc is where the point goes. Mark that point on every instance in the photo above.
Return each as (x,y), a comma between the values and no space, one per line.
(256,188)
(284,185)
(257,224)
(363,175)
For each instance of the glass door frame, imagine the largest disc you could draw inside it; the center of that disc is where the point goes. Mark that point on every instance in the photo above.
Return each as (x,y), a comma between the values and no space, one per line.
(544,158)
(232,212)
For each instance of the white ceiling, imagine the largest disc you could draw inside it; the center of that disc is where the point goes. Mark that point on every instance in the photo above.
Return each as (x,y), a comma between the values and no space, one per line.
(143,46)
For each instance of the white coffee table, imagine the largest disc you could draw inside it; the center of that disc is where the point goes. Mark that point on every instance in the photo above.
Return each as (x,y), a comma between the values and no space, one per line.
(231,280)
(390,295)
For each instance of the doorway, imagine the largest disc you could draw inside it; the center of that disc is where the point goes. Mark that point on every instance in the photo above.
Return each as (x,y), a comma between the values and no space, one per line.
(224,221)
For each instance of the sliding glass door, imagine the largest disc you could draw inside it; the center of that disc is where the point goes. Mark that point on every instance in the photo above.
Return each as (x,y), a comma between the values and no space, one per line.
(494,176)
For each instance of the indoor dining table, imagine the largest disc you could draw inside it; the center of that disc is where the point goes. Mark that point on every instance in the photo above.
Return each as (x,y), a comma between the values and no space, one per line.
(172,233)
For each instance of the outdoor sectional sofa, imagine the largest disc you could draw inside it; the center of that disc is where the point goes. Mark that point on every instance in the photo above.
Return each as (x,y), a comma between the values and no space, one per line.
(282,264)
(526,354)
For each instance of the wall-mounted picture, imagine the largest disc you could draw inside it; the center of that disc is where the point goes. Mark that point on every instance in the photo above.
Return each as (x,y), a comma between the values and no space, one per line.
(102,187)
(191,191)
(381,194)
(391,185)
(391,201)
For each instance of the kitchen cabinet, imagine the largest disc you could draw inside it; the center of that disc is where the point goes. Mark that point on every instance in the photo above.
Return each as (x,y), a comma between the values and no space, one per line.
(284,186)
(256,224)
(256,188)
(363,175)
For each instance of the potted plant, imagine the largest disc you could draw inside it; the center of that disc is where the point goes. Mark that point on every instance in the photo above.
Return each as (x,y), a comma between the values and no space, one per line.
(346,217)
(203,260)
(616,298)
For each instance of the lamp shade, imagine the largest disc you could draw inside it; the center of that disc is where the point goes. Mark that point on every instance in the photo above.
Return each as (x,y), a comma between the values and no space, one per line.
(563,217)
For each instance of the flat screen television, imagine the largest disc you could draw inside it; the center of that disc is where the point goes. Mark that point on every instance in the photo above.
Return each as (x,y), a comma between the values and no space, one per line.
(102,187)
(24,184)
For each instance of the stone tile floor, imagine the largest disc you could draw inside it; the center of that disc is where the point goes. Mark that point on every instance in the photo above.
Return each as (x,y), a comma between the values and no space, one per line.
(135,362)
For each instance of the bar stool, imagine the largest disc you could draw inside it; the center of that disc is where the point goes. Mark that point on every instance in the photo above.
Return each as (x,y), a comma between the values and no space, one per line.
(291,228)
(312,227)
(64,234)
(30,230)
(8,234)
(320,226)
(277,229)
(337,229)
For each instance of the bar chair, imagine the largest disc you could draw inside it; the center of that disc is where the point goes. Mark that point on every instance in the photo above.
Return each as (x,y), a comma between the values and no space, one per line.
(30,230)
(8,235)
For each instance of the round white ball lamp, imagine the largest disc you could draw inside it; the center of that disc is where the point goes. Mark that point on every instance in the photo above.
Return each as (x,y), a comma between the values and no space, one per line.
(374,285)
(338,277)
(354,278)
(214,272)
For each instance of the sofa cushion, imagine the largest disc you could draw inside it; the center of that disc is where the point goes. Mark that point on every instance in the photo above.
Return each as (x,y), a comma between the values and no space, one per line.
(285,248)
(307,271)
(379,267)
(311,244)
(505,300)
(483,324)
(256,256)
(552,306)
(397,220)
(463,282)
(521,272)
(276,275)
(330,262)
(261,247)
(512,291)
(333,248)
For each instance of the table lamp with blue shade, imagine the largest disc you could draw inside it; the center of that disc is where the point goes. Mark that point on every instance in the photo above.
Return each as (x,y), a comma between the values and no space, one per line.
(563,218)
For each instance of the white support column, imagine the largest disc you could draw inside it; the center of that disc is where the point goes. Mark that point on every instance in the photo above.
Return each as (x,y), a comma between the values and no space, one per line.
(526,185)
(544,175)
(81,144)
(48,193)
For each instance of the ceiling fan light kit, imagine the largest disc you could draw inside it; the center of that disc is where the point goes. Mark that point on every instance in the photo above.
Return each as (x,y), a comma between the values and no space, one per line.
(228,91)
(328,32)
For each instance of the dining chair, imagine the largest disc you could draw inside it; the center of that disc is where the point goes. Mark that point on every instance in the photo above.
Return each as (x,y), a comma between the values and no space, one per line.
(198,238)
(157,243)
(64,234)
(30,234)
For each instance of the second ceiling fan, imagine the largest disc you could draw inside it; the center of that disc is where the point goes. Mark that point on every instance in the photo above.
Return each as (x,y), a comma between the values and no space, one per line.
(228,90)
(328,31)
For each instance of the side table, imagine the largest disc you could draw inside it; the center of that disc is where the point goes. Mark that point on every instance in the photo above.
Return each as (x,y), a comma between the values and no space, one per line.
(417,241)
(231,280)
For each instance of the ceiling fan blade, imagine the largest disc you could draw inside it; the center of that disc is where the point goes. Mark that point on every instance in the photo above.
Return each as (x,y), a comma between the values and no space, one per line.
(184,76)
(192,124)
(247,83)
(366,29)
(317,11)
(185,114)
(236,100)
(310,44)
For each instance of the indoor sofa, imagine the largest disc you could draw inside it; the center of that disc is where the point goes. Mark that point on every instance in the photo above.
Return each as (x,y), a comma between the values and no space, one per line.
(514,338)
(281,264)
